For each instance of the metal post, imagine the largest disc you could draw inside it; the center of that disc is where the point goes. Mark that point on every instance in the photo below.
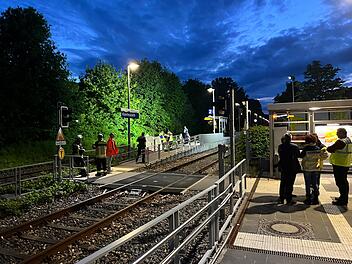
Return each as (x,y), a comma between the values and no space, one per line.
(247,117)
(221,158)
(173,224)
(214,110)
(232,127)
(211,223)
(158,151)
(128,118)
(60,167)
(271,135)
(147,155)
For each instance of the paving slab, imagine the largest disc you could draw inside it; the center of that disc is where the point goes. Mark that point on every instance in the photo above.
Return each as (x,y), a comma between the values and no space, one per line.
(276,233)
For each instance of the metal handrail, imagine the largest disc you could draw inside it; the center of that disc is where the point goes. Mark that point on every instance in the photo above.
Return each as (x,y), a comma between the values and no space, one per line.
(214,188)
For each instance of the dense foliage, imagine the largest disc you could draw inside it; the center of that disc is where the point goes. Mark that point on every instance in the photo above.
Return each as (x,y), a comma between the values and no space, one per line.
(51,191)
(320,83)
(34,80)
(33,76)
(258,137)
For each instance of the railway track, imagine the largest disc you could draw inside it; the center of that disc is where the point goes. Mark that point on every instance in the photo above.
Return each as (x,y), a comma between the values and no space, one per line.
(78,221)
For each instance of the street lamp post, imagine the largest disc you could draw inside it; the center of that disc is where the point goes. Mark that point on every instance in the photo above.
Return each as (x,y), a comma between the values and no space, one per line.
(238,116)
(130,67)
(292,78)
(212,90)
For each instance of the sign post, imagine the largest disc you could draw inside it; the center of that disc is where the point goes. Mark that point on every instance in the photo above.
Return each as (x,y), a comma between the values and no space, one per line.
(60,140)
(129,113)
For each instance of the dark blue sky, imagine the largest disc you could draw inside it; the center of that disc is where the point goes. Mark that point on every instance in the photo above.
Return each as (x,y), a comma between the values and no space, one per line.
(256,42)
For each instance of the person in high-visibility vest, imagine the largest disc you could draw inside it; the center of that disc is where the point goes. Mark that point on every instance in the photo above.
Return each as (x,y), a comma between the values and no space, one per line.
(100,155)
(169,139)
(341,158)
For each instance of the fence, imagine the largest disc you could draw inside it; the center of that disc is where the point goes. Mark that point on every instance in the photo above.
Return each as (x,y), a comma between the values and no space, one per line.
(217,222)
(13,179)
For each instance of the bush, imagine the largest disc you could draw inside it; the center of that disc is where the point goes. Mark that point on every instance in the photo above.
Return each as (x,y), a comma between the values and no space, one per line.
(258,137)
(47,195)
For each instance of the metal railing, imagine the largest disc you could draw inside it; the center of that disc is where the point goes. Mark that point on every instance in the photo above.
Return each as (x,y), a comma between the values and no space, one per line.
(18,175)
(181,151)
(217,223)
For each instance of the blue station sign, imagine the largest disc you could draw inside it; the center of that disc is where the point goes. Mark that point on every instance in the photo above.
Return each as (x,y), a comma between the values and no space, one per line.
(129,113)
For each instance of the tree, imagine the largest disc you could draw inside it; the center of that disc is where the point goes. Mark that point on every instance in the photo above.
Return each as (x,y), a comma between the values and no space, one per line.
(160,98)
(320,83)
(200,101)
(33,76)
(286,96)
(103,91)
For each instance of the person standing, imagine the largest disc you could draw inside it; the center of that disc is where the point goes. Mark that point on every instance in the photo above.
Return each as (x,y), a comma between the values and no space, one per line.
(289,165)
(322,147)
(77,152)
(185,135)
(341,158)
(111,151)
(141,147)
(312,156)
(100,155)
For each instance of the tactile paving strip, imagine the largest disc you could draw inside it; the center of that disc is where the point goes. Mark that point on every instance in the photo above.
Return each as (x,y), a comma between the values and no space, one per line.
(293,247)
(304,248)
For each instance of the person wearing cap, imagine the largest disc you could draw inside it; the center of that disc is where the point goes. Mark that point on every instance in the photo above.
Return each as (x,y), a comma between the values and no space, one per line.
(111,151)
(77,152)
(100,155)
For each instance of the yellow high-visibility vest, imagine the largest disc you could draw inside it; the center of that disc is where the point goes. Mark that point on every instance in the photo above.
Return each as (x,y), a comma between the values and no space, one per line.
(343,157)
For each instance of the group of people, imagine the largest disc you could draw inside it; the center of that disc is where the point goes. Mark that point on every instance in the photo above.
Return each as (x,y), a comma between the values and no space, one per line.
(313,154)
(167,139)
(105,151)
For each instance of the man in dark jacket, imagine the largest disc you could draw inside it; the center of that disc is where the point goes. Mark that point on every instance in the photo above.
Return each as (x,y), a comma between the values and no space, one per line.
(141,147)
(289,166)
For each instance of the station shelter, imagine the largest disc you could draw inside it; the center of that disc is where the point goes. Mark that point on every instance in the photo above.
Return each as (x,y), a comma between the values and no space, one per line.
(302,118)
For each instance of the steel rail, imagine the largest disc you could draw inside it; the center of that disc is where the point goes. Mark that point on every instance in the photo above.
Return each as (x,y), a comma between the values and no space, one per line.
(63,244)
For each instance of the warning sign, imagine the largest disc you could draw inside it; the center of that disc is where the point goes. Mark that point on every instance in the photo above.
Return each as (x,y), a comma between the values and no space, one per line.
(60,139)
(61,153)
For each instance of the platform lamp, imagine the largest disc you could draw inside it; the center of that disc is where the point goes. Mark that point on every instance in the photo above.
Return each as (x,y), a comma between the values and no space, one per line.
(132,66)
(292,78)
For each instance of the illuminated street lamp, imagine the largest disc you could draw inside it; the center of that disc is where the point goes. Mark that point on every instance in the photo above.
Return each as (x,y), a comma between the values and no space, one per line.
(292,78)
(246,127)
(238,116)
(132,66)
(212,90)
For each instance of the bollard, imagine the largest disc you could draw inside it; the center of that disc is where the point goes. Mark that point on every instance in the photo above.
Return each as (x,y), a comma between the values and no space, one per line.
(158,151)
(147,155)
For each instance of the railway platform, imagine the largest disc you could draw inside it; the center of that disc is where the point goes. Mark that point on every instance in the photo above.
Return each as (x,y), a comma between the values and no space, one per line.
(130,171)
(279,233)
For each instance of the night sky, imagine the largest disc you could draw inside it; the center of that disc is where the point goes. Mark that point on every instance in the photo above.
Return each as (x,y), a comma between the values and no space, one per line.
(256,42)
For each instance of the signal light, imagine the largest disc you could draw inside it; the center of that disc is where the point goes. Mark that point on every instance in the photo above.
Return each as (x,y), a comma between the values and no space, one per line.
(65,116)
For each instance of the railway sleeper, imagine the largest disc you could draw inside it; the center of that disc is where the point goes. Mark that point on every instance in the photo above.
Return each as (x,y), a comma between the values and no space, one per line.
(67,228)
(39,239)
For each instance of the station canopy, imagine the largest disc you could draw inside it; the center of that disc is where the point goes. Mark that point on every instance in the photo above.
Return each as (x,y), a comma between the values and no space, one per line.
(302,118)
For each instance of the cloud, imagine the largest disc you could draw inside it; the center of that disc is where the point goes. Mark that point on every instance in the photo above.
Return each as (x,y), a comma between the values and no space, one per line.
(256,42)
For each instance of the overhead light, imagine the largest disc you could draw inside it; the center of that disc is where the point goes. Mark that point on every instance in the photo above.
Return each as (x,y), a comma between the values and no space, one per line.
(314,108)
